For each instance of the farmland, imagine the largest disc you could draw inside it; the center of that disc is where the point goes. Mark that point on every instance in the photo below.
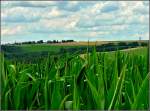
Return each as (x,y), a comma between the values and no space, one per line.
(30,51)
(97,80)
(75,55)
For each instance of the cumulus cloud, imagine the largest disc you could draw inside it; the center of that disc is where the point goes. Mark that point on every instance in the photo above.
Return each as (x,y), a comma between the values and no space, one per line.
(76,19)
(54,12)
(110,7)
(97,7)
(9,31)
(29,4)
(20,14)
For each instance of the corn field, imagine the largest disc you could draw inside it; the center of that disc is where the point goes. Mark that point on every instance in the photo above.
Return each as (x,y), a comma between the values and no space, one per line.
(97,81)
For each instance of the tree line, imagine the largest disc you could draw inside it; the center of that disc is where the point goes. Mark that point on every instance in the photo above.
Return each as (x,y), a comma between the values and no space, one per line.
(41,42)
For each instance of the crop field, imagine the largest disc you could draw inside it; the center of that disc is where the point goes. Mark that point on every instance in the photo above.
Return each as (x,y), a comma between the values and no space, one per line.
(28,52)
(111,80)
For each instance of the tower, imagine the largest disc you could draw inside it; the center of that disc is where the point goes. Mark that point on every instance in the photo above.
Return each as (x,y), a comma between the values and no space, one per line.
(140,38)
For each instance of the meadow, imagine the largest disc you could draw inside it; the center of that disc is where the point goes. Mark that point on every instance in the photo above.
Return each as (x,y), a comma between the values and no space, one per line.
(96,80)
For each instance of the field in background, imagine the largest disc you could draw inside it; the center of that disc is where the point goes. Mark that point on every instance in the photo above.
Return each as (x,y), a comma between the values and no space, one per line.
(30,51)
(92,43)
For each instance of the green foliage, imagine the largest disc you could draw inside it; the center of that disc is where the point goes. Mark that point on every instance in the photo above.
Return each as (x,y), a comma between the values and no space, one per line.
(112,80)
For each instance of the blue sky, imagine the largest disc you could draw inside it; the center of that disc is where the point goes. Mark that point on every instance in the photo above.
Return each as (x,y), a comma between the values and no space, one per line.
(77,20)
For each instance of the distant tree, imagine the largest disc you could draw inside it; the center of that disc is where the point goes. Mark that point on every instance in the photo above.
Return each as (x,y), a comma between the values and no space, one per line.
(40,42)
(29,42)
(54,41)
(134,44)
(16,43)
(49,41)
(63,41)
(33,42)
(122,43)
(70,41)
(144,44)
(24,42)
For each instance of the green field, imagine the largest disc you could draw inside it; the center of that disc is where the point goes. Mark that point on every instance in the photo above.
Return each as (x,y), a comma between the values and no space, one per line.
(103,80)
(38,48)
(42,47)
(28,52)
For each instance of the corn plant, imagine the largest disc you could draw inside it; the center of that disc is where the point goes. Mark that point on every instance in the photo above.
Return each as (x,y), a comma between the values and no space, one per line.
(111,81)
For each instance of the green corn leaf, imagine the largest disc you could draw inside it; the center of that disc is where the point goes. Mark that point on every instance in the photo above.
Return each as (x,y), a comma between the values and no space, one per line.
(63,101)
(141,99)
(118,88)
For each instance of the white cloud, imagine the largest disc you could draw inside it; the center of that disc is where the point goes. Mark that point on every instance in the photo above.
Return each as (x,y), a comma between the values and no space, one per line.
(72,24)
(72,4)
(96,34)
(53,23)
(65,23)
(37,3)
(20,14)
(96,8)
(105,16)
(53,13)
(12,30)
(146,36)
(91,19)
(28,4)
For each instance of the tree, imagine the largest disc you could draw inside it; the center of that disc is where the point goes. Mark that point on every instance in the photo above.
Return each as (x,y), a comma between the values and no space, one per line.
(40,41)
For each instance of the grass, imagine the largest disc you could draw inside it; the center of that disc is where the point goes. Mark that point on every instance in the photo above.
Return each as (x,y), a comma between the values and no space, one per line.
(28,48)
(39,48)
(110,81)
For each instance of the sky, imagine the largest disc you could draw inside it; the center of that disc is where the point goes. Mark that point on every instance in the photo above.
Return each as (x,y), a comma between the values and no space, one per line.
(75,20)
